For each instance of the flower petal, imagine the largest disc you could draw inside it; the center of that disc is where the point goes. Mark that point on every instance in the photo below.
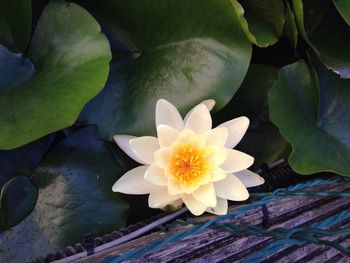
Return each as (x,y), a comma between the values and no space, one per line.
(206,195)
(159,197)
(133,182)
(199,119)
(207,103)
(231,188)
(220,208)
(162,156)
(166,135)
(155,175)
(217,136)
(166,113)
(217,174)
(249,179)
(123,143)
(144,147)
(219,154)
(174,188)
(236,161)
(195,207)
(236,130)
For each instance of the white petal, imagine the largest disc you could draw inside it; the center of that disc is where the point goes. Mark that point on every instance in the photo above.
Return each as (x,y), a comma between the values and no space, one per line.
(166,135)
(155,175)
(206,195)
(162,156)
(144,147)
(236,130)
(195,207)
(220,208)
(217,136)
(159,197)
(174,188)
(217,174)
(134,182)
(231,188)
(207,103)
(123,143)
(236,161)
(249,179)
(219,154)
(199,119)
(166,113)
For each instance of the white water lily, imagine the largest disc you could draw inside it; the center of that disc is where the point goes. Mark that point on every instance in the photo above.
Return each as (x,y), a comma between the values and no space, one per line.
(189,161)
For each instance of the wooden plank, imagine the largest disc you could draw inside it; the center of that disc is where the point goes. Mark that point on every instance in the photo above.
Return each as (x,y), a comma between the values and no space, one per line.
(217,245)
(211,243)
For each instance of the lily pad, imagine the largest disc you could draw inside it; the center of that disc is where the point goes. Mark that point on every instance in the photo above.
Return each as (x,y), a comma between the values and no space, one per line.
(312,112)
(75,197)
(166,49)
(71,68)
(75,190)
(23,159)
(262,139)
(343,7)
(327,33)
(263,21)
(17,200)
(15,23)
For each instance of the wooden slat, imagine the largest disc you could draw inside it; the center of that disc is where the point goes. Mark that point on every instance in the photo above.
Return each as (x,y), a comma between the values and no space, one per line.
(213,245)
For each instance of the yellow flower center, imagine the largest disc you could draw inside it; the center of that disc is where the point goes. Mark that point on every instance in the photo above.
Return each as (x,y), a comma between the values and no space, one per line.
(188,164)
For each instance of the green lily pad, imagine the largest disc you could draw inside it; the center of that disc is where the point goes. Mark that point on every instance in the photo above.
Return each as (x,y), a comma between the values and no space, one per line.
(263,21)
(312,110)
(326,32)
(75,197)
(183,51)
(71,68)
(15,23)
(343,7)
(17,199)
(75,189)
(262,139)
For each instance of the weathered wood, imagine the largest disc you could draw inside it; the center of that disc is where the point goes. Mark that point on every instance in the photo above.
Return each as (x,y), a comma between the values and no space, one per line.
(213,245)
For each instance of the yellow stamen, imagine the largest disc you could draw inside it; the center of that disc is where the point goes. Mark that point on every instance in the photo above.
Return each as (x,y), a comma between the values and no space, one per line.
(188,164)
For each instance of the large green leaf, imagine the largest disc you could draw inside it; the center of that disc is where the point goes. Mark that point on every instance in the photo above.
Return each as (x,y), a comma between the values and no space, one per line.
(71,56)
(183,51)
(262,140)
(343,7)
(263,21)
(75,194)
(75,197)
(312,112)
(326,32)
(15,23)
(17,199)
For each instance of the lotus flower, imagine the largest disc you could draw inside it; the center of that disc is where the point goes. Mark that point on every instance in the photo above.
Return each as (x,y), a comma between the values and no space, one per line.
(189,162)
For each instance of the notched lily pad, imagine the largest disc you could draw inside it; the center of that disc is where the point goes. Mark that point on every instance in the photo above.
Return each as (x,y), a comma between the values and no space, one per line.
(71,57)
(313,114)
